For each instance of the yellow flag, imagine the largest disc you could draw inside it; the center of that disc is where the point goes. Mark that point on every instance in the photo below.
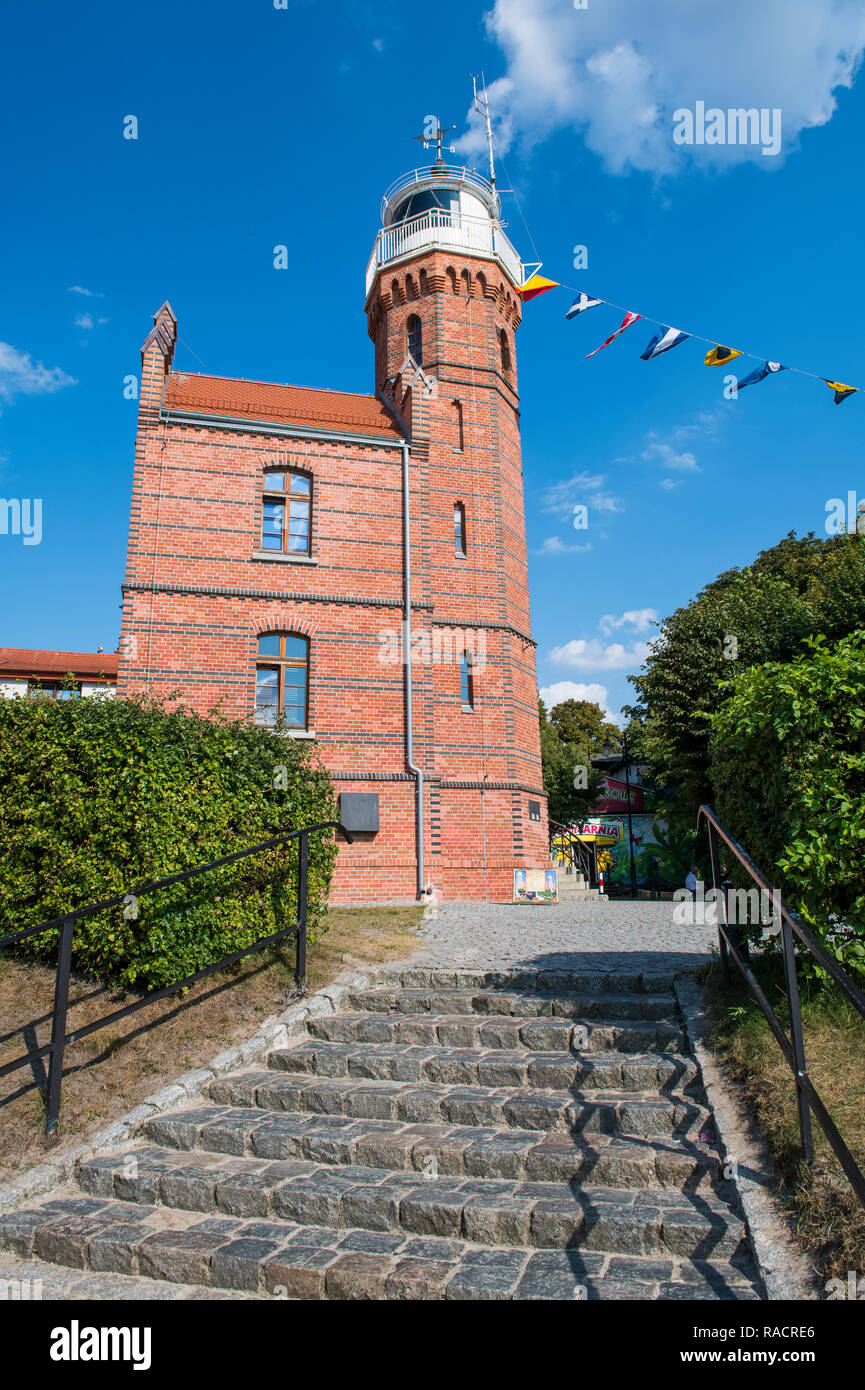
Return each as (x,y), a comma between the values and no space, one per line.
(719,355)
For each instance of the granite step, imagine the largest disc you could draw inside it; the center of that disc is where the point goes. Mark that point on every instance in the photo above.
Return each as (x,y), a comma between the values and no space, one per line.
(643,1071)
(600,1034)
(517,1107)
(24,1281)
(106,1243)
(485,1211)
(533,981)
(473,1150)
(513,1003)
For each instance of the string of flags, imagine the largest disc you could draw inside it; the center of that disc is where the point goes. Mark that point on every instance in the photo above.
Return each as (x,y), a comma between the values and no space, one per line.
(668,338)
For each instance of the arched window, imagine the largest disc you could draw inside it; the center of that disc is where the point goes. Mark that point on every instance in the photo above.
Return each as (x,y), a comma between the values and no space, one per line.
(482,283)
(414,338)
(467,281)
(459,529)
(506,351)
(281,680)
(285,511)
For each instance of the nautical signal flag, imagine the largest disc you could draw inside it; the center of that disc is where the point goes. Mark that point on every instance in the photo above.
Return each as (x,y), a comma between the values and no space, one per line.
(662,342)
(535,285)
(841,391)
(759,374)
(719,355)
(582,302)
(629,318)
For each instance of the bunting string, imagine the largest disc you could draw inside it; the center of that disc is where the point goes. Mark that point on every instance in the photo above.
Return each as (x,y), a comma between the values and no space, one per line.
(668,338)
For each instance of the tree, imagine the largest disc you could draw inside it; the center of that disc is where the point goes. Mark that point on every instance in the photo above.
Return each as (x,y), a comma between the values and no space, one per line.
(582,722)
(564,764)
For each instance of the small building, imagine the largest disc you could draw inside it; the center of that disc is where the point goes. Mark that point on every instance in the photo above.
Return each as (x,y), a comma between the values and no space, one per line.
(56,675)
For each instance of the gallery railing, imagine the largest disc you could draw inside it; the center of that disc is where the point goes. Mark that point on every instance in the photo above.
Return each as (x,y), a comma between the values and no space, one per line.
(60,1039)
(793,1048)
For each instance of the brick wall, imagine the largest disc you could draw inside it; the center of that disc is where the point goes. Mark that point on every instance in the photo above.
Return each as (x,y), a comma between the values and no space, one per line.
(196,596)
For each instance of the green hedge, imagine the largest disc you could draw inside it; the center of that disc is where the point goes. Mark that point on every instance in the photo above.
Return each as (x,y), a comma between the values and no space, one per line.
(788,770)
(98,796)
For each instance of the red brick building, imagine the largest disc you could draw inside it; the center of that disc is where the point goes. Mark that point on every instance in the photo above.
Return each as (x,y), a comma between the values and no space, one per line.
(288,546)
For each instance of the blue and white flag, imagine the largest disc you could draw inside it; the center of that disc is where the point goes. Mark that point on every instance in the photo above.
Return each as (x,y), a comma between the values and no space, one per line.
(662,342)
(582,302)
(760,374)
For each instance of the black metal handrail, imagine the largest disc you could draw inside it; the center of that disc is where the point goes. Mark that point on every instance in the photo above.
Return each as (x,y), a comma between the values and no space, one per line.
(793,1048)
(56,1048)
(573,848)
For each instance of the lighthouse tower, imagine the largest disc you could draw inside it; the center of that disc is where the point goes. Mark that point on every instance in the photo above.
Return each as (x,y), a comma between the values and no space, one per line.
(443,309)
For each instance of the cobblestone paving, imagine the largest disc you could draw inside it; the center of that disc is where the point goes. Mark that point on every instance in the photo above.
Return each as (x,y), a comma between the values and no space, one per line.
(595,935)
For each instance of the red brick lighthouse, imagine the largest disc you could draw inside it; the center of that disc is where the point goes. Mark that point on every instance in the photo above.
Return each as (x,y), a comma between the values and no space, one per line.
(351,569)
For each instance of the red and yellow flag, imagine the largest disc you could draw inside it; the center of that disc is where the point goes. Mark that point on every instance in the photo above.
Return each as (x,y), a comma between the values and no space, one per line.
(535,285)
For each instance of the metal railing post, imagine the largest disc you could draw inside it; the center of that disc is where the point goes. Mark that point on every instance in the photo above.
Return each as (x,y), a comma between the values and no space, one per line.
(716,877)
(797,1038)
(302,876)
(58,1026)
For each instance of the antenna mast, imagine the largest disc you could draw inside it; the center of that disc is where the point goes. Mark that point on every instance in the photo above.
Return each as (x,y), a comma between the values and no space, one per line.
(482,106)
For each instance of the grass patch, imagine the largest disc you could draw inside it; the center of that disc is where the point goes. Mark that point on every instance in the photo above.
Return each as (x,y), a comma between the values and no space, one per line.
(828,1217)
(112,1070)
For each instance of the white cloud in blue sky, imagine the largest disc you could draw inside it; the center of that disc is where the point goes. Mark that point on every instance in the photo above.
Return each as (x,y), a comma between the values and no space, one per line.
(560,691)
(21,376)
(617,71)
(591,654)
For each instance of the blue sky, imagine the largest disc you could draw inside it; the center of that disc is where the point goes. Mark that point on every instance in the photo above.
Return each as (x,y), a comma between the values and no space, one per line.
(260,126)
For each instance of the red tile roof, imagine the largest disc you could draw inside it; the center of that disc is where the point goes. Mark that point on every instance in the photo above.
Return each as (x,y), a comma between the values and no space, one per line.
(289,405)
(24,662)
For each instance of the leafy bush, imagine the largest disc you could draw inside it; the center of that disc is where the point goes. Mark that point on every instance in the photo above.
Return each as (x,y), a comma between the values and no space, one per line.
(788,767)
(100,796)
(801,587)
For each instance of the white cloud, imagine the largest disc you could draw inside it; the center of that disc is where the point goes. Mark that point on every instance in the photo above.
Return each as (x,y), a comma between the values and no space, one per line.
(640,619)
(680,462)
(87,321)
(617,71)
(91,294)
(378,45)
(580,488)
(669,483)
(560,691)
(21,376)
(554,546)
(590,654)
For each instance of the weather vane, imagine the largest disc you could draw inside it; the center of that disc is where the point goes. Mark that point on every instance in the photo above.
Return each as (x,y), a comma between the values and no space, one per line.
(435,138)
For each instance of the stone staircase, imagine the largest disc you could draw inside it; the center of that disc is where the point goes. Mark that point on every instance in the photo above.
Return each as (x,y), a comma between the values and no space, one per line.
(454,1134)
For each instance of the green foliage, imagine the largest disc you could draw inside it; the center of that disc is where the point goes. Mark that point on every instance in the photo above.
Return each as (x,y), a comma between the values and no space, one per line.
(560,761)
(788,766)
(582,722)
(99,796)
(799,588)
(675,852)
